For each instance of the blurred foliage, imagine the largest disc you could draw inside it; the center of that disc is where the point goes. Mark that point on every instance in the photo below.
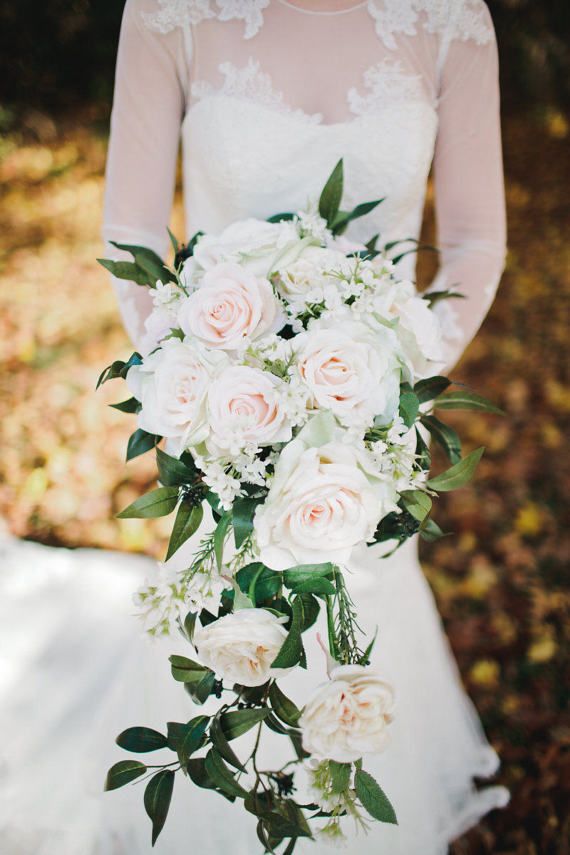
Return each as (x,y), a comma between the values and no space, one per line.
(500,580)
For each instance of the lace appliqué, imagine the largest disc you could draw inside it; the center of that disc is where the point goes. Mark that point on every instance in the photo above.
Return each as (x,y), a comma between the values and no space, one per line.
(182,13)
(466,20)
(385,83)
(250,83)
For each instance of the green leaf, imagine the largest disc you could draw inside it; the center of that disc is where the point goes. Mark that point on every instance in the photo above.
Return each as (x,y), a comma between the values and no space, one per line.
(283,707)
(318,585)
(220,742)
(431,387)
(157,503)
(220,537)
(463,400)
(422,451)
(174,472)
(458,475)
(340,776)
(238,722)
(129,271)
(200,690)
(430,531)
(123,773)
(242,518)
(434,297)
(196,769)
(295,576)
(130,406)
(343,218)
(173,240)
(331,197)
(190,625)
(292,649)
(140,442)
(445,436)
(409,406)
(186,524)
(278,218)
(259,582)
(186,670)
(118,369)
(417,503)
(185,739)
(157,797)
(311,609)
(149,261)
(222,776)
(373,798)
(141,740)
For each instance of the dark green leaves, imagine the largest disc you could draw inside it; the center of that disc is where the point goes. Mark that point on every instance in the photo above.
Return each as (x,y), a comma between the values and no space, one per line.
(221,776)
(157,798)
(297,577)
(458,475)
(258,582)
(141,740)
(434,297)
(148,263)
(157,503)
(343,218)
(186,524)
(283,707)
(127,270)
(409,406)
(129,406)
(221,743)
(174,472)
(463,400)
(373,798)
(185,739)
(238,722)
(417,503)
(140,442)
(118,369)
(329,202)
(340,776)
(186,670)
(242,518)
(123,773)
(292,649)
(430,388)
(445,436)
(220,537)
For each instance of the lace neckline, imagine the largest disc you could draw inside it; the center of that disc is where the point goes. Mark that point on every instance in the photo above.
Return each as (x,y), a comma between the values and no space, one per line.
(324,12)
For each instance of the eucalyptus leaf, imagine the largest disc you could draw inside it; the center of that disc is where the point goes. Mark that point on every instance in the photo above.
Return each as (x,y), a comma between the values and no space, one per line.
(157,503)
(458,475)
(140,442)
(373,798)
(141,739)
(186,524)
(463,400)
(123,773)
(157,797)
(445,436)
(330,199)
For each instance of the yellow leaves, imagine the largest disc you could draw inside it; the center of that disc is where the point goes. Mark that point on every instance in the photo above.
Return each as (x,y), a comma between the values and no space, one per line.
(529,520)
(542,650)
(485,673)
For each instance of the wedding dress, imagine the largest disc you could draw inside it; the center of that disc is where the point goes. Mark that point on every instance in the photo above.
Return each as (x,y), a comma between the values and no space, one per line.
(266,96)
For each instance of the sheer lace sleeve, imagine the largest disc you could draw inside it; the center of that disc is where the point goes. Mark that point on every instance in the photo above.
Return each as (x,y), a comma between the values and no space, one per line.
(148,106)
(468,175)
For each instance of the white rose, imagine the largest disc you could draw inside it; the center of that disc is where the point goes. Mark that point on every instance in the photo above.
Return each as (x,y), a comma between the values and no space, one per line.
(324,499)
(157,326)
(245,406)
(301,274)
(241,646)
(230,306)
(171,384)
(351,371)
(420,333)
(253,243)
(348,717)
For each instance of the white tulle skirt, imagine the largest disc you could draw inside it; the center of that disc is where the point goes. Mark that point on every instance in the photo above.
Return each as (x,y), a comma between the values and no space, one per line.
(75,670)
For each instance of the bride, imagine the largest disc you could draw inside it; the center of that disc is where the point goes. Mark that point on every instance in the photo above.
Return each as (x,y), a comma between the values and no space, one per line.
(266,96)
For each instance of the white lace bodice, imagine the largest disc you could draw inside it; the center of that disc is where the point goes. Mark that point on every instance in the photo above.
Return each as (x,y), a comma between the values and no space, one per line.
(268,94)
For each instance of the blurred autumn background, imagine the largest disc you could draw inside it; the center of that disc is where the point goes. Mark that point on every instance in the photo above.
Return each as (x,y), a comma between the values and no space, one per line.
(500,580)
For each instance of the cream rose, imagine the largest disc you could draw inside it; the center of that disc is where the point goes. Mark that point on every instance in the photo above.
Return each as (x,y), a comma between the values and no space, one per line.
(253,243)
(245,406)
(352,371)
(171,385)
(324,500)
(241,646)
(348,717)
(230,306)
(298,276)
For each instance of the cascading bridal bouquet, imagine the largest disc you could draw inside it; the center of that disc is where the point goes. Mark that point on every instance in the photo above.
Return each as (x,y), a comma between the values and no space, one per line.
(291,378)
